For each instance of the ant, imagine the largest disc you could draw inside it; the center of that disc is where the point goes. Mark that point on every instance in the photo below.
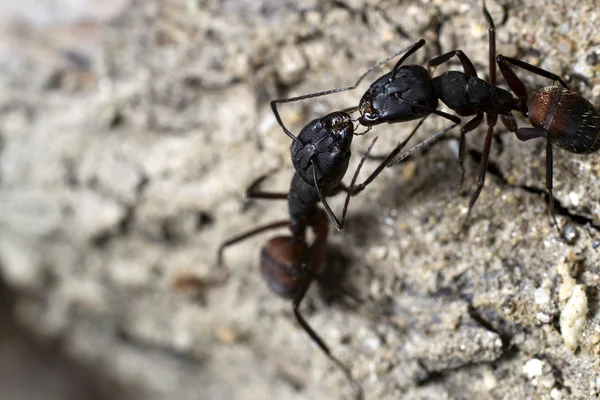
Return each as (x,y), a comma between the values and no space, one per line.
(288,263)
(311,149)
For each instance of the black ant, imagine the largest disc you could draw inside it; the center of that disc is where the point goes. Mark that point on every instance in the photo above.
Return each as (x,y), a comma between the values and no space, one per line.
(322,168)
(288,263)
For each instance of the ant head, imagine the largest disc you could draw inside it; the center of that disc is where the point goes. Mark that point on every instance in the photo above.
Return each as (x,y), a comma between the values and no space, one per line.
(339,125)
(404,94)
(280,261)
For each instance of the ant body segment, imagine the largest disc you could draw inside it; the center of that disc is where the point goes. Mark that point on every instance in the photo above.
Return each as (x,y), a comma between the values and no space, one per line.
(408,92)
(288,263)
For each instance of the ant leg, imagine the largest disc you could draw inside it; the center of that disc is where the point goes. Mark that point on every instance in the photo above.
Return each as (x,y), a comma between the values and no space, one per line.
(524,134)
(535,133)
(384,163)
(491,118)
(464,60)
(316,339)
(397,159)
(485,158)
(409,53)
(535,70)
(351,188)
(340,225)
(508,120)
(468,127)
(319,278)
(492,45)
(409,50)
(515,84)
(436,136)
(253,193)
(549,186)
(246,235)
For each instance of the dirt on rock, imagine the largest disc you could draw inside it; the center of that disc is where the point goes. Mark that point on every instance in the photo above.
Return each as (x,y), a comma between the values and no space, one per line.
(130,130)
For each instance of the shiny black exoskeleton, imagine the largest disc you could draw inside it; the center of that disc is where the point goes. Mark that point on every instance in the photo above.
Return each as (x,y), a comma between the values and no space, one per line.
(403,94)
(561,116)
(408,92)
(470,95)
(322,151)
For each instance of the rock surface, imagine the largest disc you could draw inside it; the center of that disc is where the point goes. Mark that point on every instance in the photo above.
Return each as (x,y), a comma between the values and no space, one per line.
(129,134)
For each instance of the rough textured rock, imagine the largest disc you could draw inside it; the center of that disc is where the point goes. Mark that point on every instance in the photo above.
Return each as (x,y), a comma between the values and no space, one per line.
(129,134)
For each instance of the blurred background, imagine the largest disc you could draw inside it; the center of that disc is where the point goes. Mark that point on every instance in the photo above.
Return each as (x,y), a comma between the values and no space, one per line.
(129,131)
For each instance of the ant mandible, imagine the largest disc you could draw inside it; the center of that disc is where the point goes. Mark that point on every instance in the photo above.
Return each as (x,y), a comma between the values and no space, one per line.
(288,263)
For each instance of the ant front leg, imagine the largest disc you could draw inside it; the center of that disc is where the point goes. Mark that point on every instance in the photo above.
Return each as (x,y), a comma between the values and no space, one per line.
(456,121)
(525,134)
(394,157)
(254,193)
(359,188)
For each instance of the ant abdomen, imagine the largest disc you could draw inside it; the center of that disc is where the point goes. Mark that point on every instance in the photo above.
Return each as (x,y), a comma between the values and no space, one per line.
(279,261)
(572,121)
